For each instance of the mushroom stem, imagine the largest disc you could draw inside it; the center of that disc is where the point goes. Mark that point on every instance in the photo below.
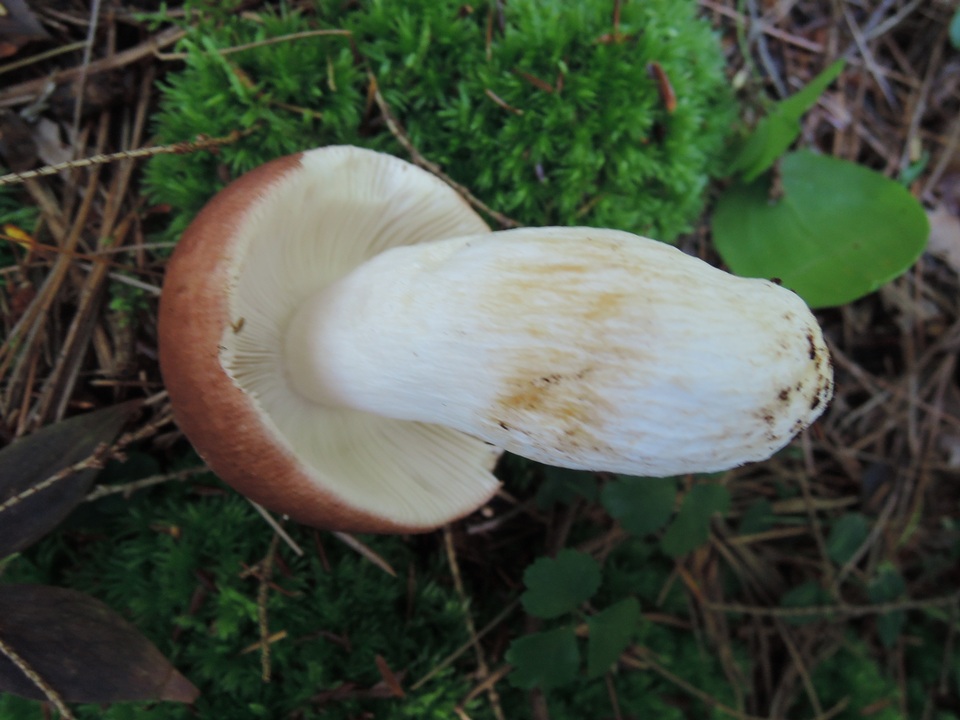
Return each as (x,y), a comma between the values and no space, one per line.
(578,347)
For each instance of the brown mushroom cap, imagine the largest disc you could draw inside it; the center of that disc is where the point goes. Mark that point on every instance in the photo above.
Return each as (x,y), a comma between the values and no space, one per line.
(347,204)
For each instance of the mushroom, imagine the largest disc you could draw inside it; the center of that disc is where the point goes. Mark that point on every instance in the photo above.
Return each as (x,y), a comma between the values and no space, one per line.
(345,341)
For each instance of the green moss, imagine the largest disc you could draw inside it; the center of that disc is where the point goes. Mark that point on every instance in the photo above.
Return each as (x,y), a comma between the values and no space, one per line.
(547,121)
(173,563)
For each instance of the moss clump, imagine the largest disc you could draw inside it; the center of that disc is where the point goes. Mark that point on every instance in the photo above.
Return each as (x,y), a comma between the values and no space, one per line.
(545,114)
(174,563)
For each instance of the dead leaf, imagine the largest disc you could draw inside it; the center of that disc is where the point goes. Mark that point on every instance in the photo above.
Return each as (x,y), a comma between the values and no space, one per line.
(29,508)
(82,649)
(944,242)
(390,678)
(50,147)
(17,147)
(18,26)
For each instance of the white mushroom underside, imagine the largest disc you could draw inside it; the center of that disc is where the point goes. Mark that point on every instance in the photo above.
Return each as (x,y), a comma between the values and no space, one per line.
(294,243)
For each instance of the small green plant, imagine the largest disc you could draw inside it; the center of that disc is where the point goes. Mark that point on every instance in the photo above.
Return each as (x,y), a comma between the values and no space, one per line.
(590,619)
(126,302)
(558,587)
(829,229)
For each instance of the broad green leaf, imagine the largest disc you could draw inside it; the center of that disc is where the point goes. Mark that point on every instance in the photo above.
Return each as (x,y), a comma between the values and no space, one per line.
(561,485)
(775,133)
(610,632)
(846,536)
(890,627)
(757,518)
(888,586)
(558,585)
(82,648)
(806,595)
(838,232)
(691,527)
(642,505)
(28,508)
(545,660)
(955,30)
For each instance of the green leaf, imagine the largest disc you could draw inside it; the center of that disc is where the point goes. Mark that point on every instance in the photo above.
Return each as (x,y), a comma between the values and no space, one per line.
(545,660)
(642,505)
(808,594)
(775,133)
(839,231)
(558,585)
(846,536)
(757,518)
(888,586)
(82,648)
(561,485)
(955,30)
(691,528)
(29,509)
(610,632)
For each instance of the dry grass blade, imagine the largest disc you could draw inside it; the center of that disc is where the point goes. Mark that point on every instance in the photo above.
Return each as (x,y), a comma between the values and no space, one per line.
(277,528)
(351,542)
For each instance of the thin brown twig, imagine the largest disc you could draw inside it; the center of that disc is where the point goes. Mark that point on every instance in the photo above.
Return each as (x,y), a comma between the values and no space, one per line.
(764,27)
(483,670)
(351,542)
(648,663)
(418,159)
(40,57)
(26,92)
(127,489)
(180,148)
(839,611)
(799,665)
(260,43)
(23,666)
(277,528)
(94,461)
(452,657)
(263,593)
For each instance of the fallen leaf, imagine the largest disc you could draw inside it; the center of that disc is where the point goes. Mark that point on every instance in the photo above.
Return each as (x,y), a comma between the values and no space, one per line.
(18,26)
(389,677)
(944,240)
(30,504)
(82,649)
(50,146)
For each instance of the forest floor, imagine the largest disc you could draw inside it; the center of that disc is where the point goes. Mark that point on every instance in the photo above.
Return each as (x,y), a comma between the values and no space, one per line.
(887,450)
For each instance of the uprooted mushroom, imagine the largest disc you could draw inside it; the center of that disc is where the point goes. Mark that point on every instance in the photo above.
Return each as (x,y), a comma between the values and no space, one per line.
(345,341)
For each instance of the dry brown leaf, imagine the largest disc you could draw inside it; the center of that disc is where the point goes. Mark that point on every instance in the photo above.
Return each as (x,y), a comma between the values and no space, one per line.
(944,240)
